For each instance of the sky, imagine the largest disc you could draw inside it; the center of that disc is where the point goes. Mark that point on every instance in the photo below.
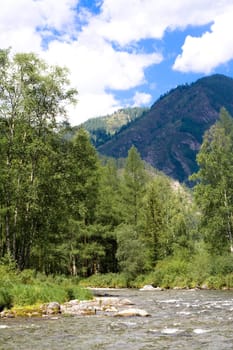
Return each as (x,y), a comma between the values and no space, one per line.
(122,53)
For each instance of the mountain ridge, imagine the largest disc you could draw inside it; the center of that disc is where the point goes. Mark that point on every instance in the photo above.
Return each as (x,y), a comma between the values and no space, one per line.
(169,135)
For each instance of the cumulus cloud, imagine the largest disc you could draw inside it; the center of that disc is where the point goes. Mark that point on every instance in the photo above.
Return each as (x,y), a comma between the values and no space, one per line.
(203,54)
(141,99)
(93,105)
(103,50)
(96,69)
(150,19)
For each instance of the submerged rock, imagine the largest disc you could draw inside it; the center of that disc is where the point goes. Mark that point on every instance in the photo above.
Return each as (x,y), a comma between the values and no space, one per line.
(132,312)
(150,287)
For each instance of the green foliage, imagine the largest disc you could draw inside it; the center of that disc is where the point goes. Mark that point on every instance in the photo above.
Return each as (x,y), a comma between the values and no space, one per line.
(110,280)
(214,188)
(131,252)
(6,299)
(171,272)
(32,95)
(167,224)
(101,129)
(29,288)
(39,293)
(133,188)
(63,213)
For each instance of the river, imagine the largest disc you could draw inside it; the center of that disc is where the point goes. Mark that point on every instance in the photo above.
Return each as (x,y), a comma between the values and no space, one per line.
(179,320)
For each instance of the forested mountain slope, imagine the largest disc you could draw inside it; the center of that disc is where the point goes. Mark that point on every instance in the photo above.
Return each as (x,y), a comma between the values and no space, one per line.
(169,135)
(101,129)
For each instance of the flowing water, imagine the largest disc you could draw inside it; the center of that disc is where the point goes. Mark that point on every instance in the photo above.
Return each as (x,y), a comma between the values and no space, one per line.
(179,320)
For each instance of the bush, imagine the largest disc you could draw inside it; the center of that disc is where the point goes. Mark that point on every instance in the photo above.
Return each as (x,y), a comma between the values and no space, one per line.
(27,276)
(171,272)
(215,282)
(229,280)
(6,300)
(110,280)
(221,265)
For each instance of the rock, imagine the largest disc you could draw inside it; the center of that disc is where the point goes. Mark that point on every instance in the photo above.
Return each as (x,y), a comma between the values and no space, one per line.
(147,287)
(132,312)
(87,312)
(204,286)
(111,309)
(126,302)
(103,301)
(73,302)
(102,305)
(53,308)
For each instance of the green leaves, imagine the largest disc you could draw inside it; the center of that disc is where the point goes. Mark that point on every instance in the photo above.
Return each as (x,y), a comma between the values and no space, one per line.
(133,188)
(32,95)
(214,188)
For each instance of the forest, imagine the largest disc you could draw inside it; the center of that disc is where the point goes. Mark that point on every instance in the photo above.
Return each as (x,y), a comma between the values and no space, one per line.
(64,210)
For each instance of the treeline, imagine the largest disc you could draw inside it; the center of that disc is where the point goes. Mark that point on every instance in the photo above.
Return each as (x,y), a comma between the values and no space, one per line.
(64,211)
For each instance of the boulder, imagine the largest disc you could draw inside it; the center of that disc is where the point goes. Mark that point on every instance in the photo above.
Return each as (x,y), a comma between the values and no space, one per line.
(53,308)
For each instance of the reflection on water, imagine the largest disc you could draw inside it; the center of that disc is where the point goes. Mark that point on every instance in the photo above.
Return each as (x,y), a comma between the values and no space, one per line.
(179,320)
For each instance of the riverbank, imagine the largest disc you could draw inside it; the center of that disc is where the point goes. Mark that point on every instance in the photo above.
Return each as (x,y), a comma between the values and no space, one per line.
(104,302)
(28,293)
(23,293)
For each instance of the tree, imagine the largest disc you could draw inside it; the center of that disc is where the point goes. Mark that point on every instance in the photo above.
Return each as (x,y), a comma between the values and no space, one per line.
(83,186)
(32,96)
(167,225)
(132,254)
(133,189)
(214,187)
(109,214)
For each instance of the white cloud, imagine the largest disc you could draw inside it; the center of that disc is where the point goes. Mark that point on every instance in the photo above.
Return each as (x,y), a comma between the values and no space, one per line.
(93,105)
(141,19)
(103,51)
(203,54)
(141,99)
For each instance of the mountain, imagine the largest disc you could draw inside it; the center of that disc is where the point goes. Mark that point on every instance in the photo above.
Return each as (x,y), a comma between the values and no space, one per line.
(102,129)
(169,135)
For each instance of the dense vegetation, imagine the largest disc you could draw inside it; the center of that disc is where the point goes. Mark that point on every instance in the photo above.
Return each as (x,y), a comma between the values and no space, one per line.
(102,129)
(64,212)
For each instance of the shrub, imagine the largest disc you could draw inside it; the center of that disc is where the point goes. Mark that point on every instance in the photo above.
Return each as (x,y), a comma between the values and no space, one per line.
(170,273)
(221,264)
(110,280)
(215,282)
(229,280)
(6,300)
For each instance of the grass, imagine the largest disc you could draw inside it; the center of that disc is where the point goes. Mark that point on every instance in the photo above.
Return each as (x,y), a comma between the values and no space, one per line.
(29,289)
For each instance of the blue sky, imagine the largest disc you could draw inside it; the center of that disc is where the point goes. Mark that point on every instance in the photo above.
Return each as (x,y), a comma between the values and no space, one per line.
(123,53)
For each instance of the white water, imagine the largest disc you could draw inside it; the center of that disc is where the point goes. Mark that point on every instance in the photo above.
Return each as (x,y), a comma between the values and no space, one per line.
(179,320)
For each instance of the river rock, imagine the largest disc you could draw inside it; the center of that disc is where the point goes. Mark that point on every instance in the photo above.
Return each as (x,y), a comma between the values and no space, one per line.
(147,287)
(126,302)
(53,308)
(132,312)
